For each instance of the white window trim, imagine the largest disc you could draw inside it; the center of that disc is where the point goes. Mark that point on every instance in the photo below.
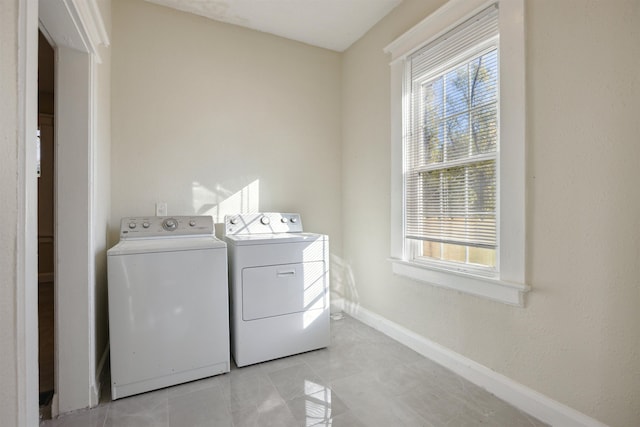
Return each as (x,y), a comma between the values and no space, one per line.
(509,286)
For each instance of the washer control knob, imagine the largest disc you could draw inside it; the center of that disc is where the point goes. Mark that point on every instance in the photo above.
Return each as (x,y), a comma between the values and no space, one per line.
(294,219)
(233,220)
(265,220)
(170,224)
(192,223)
(283,220)
(146,224)
(132,225)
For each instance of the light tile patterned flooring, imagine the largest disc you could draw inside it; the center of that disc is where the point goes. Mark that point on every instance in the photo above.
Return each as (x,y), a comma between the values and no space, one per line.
(363,379)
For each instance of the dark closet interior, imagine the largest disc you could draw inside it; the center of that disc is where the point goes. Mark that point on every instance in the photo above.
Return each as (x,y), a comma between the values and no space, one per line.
(46,221)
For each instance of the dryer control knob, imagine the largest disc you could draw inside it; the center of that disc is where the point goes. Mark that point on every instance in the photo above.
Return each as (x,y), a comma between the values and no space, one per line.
(192,223)
(294,219)
(283,220)
(169,224)
(233,221)
(265,220)
(146,224)
(132,225)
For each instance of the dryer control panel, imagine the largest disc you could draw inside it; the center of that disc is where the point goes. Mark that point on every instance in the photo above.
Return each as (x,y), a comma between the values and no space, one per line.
(262,223)
(167,226)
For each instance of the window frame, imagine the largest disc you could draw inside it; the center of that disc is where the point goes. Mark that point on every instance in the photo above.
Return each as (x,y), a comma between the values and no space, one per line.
(507,284)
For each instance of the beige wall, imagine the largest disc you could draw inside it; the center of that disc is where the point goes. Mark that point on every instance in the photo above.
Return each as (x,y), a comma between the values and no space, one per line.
(205,112)
(578,339)
(9,212)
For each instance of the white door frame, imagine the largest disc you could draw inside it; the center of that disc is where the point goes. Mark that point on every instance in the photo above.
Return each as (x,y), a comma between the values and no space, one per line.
(26,323)
(74,268)
(75,28)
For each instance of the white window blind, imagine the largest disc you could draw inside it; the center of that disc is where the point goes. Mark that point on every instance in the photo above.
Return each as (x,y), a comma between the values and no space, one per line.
(451,136)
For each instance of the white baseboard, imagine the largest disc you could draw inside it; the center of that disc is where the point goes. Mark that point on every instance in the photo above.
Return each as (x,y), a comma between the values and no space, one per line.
(530,401)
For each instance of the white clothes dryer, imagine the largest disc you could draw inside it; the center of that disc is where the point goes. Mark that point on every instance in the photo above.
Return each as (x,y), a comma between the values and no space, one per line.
(279,287)
(168,303)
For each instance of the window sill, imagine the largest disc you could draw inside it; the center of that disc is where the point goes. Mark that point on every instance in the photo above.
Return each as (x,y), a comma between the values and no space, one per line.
(487,287)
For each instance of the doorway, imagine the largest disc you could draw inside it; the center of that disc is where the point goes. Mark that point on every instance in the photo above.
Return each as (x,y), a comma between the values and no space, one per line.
(46,228)
(77,33)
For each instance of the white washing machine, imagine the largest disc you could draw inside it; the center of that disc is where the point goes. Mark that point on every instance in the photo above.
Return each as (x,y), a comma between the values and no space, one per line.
(279,287)
(168,303)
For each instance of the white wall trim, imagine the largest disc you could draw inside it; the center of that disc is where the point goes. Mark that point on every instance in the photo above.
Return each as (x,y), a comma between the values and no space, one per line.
(91,174)
(74,245)
(486,287)
(89,25)
(530,401)
(433,26)
(26,283)
(76,24)
(92,22)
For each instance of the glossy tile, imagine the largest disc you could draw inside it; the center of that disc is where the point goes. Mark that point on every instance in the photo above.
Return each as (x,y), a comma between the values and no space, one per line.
(317,407)
(200,408)
(333,364)
(403,378)
(342,420)
(276,415)
(244,392)
(190,387)
(363,378)
(390,413)
(285,362)
(85,418)
(441,409)
(144,410)
(297,380)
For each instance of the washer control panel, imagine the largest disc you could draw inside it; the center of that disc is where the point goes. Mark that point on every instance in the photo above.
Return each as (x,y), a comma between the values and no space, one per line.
(158,226)
(262,223)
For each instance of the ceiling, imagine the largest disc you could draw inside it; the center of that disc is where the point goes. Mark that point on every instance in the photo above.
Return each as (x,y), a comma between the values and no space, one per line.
(331,24)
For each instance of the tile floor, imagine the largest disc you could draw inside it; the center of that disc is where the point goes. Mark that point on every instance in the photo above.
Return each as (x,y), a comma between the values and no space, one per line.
(363,379)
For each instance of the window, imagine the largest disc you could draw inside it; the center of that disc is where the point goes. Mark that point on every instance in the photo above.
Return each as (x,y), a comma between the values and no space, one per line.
(451,145)
(458,152)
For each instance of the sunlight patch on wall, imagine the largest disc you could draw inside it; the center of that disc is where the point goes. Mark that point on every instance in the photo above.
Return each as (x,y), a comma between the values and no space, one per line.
(220,201)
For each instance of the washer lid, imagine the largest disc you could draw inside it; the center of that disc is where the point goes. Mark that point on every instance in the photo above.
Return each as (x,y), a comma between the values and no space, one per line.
(168,244)
(273,238)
